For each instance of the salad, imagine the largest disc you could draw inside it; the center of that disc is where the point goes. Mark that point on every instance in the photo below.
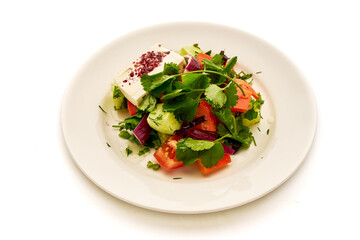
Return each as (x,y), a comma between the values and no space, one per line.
(191,106)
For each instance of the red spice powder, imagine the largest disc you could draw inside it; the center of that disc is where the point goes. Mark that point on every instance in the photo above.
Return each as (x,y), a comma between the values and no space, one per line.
(146,63)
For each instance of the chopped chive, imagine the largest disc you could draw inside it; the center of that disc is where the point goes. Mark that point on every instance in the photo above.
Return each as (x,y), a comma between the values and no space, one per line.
(125,134)
(259,72)
(108,144)
(156,167)
(102,109)
(128,151)
(267,132)
(150,164)
(142,152)
(253,140)
(259,129)
(176,178)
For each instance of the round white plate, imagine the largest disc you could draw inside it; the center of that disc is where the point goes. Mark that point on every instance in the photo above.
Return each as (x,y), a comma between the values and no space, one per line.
(283,137)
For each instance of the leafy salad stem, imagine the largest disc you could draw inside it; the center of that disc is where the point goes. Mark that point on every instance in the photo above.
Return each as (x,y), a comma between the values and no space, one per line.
(210,71)
(225,136)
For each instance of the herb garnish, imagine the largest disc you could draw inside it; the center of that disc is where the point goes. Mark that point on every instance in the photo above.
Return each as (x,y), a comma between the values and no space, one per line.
(129,136)
(128,151)
(142,152)
(102,109)
(149,164)
(190,150)
(155,166)
(183,97)
(181,94)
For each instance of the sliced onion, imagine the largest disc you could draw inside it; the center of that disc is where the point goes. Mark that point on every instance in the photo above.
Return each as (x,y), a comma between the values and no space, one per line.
(192,65)
(228,149)
(189,125)
(208,136)
(201,135)
(142,130)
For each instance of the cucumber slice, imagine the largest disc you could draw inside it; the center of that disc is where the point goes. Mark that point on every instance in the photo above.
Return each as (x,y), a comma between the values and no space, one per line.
(190,50)
(163,122)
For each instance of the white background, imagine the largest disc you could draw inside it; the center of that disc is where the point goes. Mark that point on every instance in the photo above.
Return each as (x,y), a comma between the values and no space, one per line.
(45,196)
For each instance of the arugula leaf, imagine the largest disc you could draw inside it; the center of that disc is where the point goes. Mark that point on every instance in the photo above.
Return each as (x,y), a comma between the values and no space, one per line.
(189,151)
(148,103)
(184,100)
(217,59)
(225,115)
(234,126)
(231,95)
(230,64)
(228,69)
(215,96)
(215,64)
(208,64)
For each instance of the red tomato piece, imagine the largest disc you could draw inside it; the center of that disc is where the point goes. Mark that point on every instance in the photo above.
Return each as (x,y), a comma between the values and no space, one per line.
(132,108)
(201,56)
(166,154)
(243,103)
(247,86)
(210,123)
(222,162)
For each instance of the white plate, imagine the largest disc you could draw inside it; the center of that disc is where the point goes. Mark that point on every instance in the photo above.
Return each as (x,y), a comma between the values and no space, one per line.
(289,113)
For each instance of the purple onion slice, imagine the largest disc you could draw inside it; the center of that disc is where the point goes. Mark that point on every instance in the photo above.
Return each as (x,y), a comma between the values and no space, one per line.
(208,136)
(142,130)
(192,65)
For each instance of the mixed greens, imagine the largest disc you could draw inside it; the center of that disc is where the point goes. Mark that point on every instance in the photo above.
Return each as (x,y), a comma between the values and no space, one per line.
(203,114)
